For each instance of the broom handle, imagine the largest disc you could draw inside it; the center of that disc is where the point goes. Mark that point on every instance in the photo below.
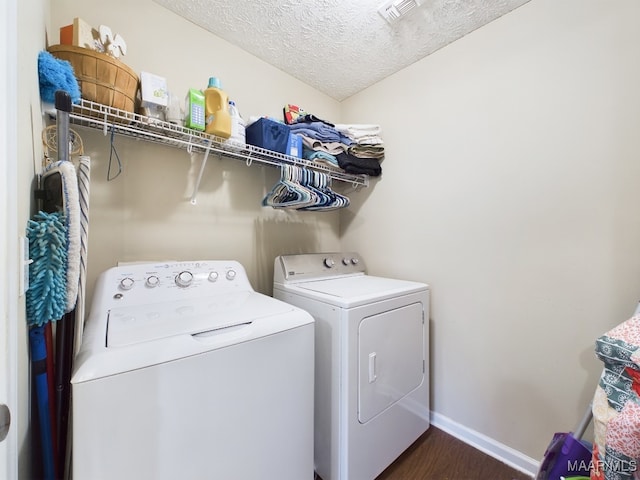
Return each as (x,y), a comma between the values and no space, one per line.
(48,338)
(582,426)
(66,325)
(39,371)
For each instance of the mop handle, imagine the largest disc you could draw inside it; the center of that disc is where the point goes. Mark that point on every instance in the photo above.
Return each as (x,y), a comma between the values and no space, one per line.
(63,107)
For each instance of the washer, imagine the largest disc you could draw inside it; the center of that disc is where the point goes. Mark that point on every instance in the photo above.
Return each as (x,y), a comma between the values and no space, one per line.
(371,369)
(186,372)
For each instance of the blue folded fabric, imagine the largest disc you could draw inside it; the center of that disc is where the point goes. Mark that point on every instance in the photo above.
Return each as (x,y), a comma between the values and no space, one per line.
(312,155)
(320,131)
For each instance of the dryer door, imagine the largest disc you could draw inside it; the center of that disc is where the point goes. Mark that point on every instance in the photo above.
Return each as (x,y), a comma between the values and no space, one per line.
(390,358)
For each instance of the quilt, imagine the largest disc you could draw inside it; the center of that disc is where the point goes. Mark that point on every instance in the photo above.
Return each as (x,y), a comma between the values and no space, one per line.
(616,405)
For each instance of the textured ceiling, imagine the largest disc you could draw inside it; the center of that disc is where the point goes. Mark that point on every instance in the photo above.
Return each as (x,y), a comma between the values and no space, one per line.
(339,47)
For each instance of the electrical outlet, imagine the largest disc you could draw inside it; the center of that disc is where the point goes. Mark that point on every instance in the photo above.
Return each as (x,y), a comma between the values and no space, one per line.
(23,281)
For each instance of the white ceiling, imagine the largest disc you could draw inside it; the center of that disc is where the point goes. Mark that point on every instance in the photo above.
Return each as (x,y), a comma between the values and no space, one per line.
(339,47)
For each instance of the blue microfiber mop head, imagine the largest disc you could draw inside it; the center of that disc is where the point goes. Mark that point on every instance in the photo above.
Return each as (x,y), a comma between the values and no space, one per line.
(47,295)
(56,74)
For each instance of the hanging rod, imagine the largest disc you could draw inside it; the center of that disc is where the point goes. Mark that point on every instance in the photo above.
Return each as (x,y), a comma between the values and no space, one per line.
(101,117)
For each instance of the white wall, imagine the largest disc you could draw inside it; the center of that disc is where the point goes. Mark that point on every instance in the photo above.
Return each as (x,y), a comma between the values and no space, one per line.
(145,214)
(32,15)
(510,186)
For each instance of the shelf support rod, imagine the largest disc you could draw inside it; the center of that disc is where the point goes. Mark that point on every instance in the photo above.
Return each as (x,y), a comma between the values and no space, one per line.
(197,185)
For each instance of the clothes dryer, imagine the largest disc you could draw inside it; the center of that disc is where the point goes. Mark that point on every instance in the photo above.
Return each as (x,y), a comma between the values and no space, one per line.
(371,364)
(187,373)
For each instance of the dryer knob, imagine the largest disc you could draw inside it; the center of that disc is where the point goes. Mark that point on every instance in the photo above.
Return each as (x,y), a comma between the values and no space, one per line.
(345,261)
(127,283)
(184,279)
(329,262)
(213,276)
(354,261)
(231,274)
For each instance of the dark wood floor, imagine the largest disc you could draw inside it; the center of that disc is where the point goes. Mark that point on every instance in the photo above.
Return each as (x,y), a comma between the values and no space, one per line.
(437,455)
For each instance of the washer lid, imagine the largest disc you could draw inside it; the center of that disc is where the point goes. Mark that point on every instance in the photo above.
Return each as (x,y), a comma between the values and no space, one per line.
(350,291)
(145,323)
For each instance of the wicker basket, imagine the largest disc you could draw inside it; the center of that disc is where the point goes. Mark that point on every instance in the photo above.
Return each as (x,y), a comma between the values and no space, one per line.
(102,78)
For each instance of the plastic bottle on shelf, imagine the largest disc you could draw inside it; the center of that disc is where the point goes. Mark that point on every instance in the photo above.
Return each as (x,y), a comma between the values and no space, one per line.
(237,140)
(216,110)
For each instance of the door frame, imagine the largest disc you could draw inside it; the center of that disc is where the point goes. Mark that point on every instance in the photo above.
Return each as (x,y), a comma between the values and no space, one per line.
(9,295)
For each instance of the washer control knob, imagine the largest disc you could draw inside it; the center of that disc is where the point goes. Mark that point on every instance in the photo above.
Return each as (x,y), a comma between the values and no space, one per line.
(184,279)
(127,283)
(346,261)
(329,262)
(354,261)
(152,281)
(213,276)
(231,274)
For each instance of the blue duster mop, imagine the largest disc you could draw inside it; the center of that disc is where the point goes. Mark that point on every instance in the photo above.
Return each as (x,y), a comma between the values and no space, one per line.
(55,74)
(47,294)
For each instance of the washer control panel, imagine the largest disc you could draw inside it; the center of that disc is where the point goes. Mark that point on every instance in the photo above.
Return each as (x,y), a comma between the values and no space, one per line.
(158,282)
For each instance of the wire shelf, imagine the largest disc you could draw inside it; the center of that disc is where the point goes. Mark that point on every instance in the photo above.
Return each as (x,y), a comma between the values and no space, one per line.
(101,117)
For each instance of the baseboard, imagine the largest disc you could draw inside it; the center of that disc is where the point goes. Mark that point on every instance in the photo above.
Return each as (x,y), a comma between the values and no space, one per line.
(497,450)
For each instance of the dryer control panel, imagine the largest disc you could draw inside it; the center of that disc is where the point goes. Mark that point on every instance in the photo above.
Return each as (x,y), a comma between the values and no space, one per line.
(317,265)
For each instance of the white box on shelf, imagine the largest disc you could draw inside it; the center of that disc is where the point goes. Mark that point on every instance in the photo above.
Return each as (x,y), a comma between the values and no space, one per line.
(154,90)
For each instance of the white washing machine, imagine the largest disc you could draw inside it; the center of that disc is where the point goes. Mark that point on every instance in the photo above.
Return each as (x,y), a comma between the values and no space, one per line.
(371,368)
(185,372)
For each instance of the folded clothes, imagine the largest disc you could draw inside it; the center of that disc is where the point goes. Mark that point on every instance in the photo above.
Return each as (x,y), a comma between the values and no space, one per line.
(309,117)
(366,151)
(320,131)
(318,155)
(352,164)
(322,158)
(329,147)
(368,140)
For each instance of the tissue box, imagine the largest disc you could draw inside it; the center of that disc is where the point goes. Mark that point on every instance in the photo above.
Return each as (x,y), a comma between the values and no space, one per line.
(154,90)
(268,134)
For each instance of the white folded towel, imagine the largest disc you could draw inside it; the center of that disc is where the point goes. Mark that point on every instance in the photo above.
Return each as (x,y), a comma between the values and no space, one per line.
(356,131)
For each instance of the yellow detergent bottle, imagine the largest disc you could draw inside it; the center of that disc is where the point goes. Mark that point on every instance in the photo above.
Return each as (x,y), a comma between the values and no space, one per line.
(216,110)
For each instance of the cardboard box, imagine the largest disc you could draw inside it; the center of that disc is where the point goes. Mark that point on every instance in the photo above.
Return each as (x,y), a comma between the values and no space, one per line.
(79,34)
